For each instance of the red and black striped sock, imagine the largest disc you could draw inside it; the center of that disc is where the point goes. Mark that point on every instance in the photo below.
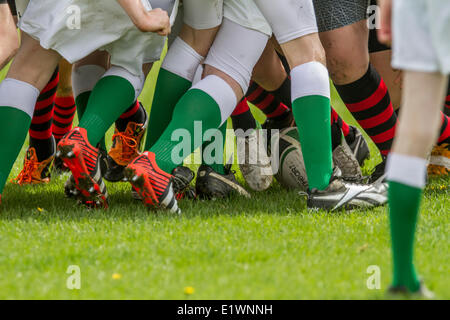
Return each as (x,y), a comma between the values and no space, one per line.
(447,102)
(64,113)
(444,135)
(369,102)
(242,117)
(268,102)
(339,127)
(41,124)
(135,113)
(336,119)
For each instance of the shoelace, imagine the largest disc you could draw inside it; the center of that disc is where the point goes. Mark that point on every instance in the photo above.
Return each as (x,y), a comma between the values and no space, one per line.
(442,149)
(26,175)
(130,145)
(436,169)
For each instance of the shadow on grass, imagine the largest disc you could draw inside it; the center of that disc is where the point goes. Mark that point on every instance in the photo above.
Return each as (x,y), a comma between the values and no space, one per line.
(47,202)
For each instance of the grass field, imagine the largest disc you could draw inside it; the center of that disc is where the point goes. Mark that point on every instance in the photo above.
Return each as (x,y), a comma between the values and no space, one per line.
(266,248)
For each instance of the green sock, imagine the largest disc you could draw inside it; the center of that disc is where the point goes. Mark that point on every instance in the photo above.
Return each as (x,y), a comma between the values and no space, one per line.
(312,115)
(194,106)
(14,124)
(111,96)
(169,89)
(81,102)
(217,161)
(404,205)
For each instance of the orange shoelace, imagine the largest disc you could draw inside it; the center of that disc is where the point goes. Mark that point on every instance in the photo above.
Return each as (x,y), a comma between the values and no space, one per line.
(436,170)
(129,145)
(30,166)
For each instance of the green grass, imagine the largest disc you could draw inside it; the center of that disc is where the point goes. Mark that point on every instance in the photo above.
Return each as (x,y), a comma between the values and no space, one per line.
(266,248)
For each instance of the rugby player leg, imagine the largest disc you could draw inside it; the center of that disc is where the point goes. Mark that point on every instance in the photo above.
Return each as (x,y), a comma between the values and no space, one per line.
(201,21)
(360,86)
(209,103)
(420,118)
(41,147)
(86,73)
(18,96)
(301,45)
(65,108)
(440,157)
(9,39)
(420,34)
(380,58)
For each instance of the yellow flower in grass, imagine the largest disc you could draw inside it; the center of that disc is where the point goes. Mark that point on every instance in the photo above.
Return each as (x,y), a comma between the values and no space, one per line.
(116,276)
(189,290)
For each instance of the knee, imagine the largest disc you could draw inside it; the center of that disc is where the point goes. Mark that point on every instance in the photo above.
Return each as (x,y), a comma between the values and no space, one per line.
(234,85)
(344,71)
(304,50)
(199,40)
(346,64)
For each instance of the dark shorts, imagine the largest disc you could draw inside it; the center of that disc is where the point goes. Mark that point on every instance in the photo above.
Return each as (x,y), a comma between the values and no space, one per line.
(374,44)
(335,14)
(12,6)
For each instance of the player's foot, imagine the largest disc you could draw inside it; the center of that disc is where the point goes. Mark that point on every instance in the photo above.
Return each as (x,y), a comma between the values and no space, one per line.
(59,167)
(154,186)
(440,160)
(359,146)
(213,185)
(348,196)
(403,293)
(126,146)
(86,165)
(34,172)
(69,185)
(181,178)
(254,162)
(379,173)
(344,159)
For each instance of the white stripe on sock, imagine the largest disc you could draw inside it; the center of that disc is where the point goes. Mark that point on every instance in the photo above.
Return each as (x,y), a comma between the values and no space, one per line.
(18,94)
(408,170)
(85,78)
(310,79)
(182,60)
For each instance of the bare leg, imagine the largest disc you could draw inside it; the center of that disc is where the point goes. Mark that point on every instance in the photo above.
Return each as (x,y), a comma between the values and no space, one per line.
(420,119)
(9,39)
(393,78)
(423,94)
(24,67)
(347,52)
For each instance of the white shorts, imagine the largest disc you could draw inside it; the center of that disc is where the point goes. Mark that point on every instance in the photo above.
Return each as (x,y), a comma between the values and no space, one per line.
(289,19)
(76,28)
(421,35)
(203,14)
(246,14)
(207,14)
(21,5)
